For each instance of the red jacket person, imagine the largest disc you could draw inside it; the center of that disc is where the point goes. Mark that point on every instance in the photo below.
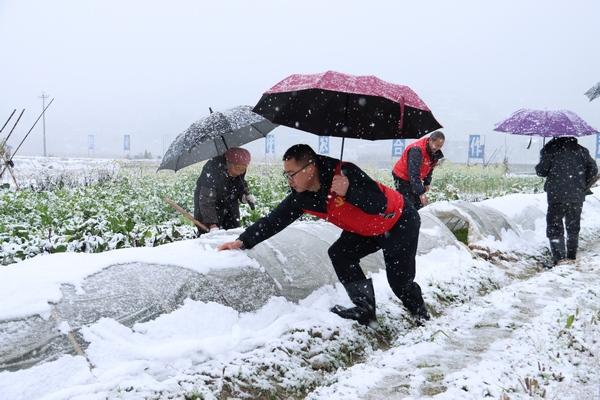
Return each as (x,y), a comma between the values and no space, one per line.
(371,215)
(412,172)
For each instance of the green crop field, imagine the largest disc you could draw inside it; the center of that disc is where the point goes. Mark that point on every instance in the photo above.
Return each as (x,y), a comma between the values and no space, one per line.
(125,208)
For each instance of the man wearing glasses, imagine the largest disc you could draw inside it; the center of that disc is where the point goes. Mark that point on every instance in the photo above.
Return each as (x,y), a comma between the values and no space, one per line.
(371,215)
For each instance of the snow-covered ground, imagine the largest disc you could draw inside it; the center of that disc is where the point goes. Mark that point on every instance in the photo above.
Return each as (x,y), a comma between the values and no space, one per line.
(503,327)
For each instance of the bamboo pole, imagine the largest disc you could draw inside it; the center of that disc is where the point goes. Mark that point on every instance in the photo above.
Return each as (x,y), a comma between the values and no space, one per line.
(186,214)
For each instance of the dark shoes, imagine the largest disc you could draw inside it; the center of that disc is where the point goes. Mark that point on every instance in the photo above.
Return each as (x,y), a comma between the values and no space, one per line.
(363,296)
(421,313)
(572,245)
(412,298)
(362,316)
(557,248)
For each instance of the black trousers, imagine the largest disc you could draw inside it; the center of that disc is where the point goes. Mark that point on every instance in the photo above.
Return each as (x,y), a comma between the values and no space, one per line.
(399,247)
(403,187)
(229,217)
(570,212)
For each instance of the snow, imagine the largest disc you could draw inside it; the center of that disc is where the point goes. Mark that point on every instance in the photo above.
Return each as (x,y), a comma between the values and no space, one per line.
(44,274)
(483,351)
(498,328)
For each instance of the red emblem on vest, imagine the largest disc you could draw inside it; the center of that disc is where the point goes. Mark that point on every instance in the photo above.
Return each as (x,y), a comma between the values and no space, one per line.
(352,219)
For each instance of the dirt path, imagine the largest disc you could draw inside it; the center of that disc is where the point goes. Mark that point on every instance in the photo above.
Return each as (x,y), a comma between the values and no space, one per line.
(512,343)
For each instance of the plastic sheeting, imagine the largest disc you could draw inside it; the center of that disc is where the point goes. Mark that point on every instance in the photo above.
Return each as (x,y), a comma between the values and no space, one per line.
(292,263)
(481,221)
(128,293)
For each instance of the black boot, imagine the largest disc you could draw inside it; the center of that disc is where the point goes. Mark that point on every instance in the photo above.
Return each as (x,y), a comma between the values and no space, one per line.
(411,297)
(557,248)
(572,244)
(421,313)
(363,296)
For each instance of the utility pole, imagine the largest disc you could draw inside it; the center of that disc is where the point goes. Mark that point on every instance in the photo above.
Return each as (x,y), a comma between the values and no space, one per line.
(44,96)
(164,141)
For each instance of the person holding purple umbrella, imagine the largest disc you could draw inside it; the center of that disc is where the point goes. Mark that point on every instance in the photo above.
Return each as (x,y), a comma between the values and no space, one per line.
(569,170)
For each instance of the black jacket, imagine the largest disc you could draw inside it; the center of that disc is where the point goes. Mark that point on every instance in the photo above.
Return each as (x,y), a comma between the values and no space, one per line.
(216,192)
(568,169)
(363,192)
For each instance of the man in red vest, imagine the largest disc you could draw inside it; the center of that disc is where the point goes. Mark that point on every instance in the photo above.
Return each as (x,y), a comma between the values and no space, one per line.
(412,172)
(371,215)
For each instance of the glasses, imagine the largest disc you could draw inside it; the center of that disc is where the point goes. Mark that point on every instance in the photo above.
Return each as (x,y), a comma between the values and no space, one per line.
(290,175)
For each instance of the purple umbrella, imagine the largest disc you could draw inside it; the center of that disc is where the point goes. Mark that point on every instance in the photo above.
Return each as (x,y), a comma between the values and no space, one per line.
(545,123)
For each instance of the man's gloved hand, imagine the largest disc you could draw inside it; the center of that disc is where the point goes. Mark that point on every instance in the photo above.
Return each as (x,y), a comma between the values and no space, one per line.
(250,200)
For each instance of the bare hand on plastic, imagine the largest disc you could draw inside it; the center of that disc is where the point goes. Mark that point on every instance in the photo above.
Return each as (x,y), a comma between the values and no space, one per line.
(235,245)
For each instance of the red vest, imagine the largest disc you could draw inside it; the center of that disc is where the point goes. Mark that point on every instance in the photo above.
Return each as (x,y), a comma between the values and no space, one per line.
(352,219)
(401,168)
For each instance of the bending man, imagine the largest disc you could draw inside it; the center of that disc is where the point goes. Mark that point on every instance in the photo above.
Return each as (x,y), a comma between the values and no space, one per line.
(372,216)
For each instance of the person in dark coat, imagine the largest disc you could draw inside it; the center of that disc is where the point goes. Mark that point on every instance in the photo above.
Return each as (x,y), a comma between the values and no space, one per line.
(371,215)
(220,189)
(569,170)
(413,171)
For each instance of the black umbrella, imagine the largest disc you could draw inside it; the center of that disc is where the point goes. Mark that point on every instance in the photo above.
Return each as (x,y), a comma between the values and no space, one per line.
(336,104)
(213,135)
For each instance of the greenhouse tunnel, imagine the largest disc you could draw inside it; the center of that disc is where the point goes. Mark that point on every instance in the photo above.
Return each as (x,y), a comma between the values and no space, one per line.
(292,264)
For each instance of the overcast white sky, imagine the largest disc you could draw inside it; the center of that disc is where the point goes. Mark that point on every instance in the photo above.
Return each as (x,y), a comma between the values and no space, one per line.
(151,68)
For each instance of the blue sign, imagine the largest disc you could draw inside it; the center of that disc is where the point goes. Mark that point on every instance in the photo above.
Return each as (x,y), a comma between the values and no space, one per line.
(270,144)
(398,146)
(598,145)
(323,145)
(476,149)
(126,142)
(90,142)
